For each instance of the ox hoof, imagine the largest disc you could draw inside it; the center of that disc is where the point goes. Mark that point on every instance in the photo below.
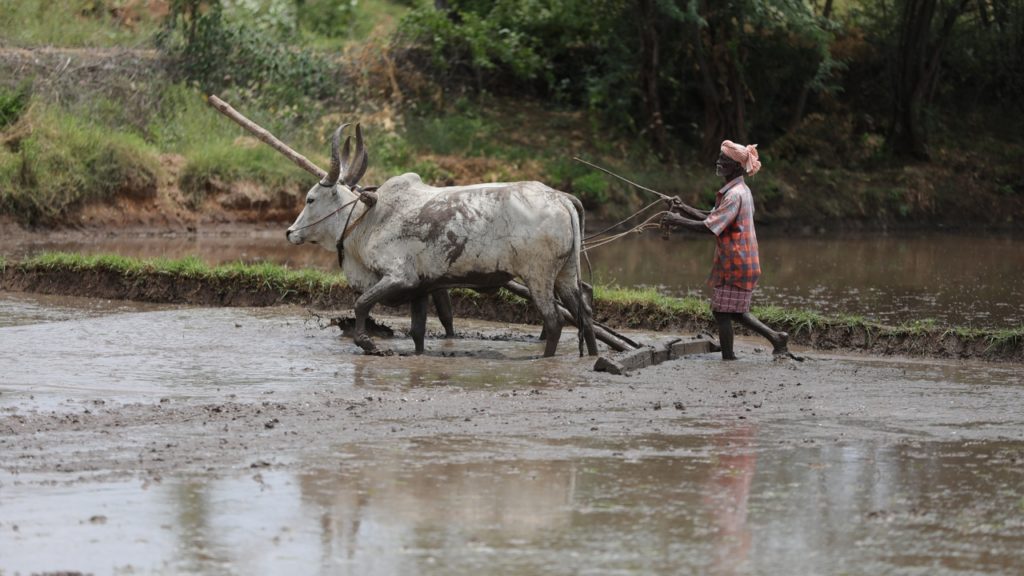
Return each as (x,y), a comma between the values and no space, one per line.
(369,348)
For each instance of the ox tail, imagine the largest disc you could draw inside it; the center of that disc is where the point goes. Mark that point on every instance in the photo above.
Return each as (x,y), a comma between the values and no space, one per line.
(578,230)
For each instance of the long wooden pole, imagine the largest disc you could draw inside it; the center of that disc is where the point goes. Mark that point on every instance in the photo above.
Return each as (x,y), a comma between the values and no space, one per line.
(613,339)
(265,136)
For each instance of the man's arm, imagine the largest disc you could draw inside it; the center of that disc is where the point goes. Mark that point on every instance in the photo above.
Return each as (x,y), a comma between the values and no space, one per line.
(672,220)
(679,207)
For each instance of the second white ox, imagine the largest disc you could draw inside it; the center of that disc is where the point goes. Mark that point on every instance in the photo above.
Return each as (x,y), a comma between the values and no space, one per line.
(417,239)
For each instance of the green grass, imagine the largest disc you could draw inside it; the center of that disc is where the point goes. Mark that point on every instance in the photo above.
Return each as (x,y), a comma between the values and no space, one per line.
(348,27)
(689,306)
(55,161)
(75,23)
(1005,338)
(795,320)
(267,275)
(215,148)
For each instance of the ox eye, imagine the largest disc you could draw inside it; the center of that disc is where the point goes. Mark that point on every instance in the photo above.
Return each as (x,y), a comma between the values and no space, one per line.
(310,200)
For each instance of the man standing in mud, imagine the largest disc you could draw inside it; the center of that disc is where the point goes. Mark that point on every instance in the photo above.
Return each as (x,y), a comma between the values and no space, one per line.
(736,268)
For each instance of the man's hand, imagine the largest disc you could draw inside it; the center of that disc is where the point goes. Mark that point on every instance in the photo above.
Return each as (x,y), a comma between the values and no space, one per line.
(670,221)
(672,204)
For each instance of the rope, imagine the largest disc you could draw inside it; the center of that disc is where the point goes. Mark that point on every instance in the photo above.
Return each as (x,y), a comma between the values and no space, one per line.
(621,222)
(646,224)
(340,208)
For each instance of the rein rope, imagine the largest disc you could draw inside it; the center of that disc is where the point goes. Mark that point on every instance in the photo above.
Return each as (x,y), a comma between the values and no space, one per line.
(589,242)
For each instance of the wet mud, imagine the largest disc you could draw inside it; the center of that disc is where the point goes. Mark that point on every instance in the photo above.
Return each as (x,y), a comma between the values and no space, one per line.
(144,438)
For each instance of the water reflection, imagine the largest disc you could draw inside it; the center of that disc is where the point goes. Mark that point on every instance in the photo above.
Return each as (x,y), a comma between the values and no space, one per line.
(727,499)
(729,503)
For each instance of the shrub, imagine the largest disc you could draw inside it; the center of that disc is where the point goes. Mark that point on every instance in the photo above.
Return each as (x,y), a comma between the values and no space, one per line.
(13,103)
(216,52)
(56,162)
(231,162)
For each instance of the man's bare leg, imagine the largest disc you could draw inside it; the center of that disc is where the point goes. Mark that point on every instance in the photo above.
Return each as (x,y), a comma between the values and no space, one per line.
(778,339)
(725,336)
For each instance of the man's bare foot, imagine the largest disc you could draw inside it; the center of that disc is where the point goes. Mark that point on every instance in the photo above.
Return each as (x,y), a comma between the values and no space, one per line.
(779,345)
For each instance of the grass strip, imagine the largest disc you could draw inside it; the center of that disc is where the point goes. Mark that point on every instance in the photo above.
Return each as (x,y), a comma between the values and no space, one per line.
(627,307)
(273,276)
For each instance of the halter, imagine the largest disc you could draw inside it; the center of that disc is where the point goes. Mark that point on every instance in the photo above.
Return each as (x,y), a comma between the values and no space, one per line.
(340,208)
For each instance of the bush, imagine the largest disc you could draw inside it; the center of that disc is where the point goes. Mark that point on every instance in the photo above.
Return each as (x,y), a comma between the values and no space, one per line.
(226,162)
(74,22)
(215,53)
(13,103)
(55,162)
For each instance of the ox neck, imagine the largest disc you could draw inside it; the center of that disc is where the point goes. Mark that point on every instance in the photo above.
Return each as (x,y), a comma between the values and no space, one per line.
(350,216)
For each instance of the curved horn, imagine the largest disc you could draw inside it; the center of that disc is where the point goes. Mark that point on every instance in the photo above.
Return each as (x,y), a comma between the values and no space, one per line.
(335,172)
(358,168)
(346,158)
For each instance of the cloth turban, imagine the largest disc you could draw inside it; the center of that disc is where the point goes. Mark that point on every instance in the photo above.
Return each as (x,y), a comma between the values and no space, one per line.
(745,155)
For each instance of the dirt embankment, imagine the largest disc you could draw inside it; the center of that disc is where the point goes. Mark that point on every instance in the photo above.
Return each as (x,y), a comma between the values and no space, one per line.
(160,286)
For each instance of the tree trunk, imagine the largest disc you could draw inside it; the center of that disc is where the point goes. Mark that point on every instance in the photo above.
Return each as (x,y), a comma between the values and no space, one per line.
(649,71)
(722,86)
(918,59)
(805,92)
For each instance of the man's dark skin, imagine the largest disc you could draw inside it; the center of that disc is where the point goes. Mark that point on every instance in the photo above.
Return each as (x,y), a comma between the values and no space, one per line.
(685,217)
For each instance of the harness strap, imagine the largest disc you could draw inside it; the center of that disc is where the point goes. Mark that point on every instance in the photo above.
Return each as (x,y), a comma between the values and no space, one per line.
(349,229)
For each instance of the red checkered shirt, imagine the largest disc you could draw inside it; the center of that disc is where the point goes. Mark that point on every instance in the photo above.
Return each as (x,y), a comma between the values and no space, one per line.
(736,260)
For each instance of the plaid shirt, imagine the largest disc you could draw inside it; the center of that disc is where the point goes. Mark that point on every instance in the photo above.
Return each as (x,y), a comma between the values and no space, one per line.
(736,260)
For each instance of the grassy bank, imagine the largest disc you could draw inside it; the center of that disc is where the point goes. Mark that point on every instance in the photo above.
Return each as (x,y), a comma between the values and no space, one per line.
(191,281)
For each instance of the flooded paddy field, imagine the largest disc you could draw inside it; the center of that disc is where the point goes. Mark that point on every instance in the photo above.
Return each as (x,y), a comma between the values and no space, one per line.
(153,439)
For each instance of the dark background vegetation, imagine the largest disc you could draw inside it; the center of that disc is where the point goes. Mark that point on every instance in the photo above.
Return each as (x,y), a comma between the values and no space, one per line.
(877,112)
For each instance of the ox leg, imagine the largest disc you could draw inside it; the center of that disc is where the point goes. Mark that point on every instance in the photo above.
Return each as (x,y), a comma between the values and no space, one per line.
(419,321)
(379,291)
(578,307)
(443,306)
(544,300)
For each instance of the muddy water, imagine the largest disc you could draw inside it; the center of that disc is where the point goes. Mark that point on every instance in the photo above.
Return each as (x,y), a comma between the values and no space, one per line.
(956,279)
(152,440)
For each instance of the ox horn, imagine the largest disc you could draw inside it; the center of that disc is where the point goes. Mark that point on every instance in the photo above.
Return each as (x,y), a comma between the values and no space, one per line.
(336,165)
(357,169)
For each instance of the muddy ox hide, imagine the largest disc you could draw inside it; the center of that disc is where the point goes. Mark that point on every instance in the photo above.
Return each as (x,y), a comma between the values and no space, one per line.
(418,239)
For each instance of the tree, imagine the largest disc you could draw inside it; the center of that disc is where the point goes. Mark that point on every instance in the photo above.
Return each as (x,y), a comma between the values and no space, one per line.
(925,26)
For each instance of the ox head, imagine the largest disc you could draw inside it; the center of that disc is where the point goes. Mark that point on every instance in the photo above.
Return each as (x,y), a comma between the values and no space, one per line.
(322,220)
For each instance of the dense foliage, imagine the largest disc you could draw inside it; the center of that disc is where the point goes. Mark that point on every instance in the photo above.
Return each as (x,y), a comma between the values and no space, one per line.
(866,110)
(694,72)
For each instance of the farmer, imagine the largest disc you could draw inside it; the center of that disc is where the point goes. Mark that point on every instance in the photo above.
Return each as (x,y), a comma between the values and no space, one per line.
(736,269)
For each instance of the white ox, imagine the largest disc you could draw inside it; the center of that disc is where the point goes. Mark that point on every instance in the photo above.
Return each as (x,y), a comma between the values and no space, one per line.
(416,239)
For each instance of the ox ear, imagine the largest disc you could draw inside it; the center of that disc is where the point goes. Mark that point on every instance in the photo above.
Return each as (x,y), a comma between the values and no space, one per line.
(357,169)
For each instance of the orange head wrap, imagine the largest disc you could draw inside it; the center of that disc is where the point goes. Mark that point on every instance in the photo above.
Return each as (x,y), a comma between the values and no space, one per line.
(745,155)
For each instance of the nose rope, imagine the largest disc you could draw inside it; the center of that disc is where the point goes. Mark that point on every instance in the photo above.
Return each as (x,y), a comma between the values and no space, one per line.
(342,207)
